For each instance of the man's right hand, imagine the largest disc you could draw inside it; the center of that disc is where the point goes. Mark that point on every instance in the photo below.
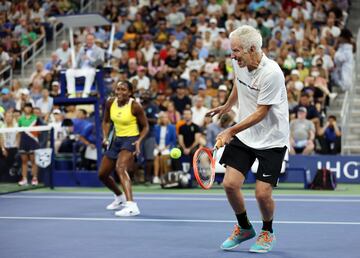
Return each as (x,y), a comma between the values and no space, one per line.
(218,110)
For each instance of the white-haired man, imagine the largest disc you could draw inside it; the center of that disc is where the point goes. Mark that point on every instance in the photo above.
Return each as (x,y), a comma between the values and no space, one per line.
(262,133)
(88,58)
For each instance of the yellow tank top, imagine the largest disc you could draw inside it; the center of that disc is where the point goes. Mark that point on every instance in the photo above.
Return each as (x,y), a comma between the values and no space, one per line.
(124,121)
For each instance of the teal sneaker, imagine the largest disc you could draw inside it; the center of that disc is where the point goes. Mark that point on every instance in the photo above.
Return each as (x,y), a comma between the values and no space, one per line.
(264,243)
(238,236)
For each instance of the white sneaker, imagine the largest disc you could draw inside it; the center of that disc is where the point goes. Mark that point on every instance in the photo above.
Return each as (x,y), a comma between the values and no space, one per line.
(130,209)
(117,203)
(156,180)
(23,182)
(85,95)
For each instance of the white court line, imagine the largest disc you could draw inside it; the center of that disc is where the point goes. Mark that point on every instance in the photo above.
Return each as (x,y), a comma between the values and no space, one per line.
(154,198)
(177,220)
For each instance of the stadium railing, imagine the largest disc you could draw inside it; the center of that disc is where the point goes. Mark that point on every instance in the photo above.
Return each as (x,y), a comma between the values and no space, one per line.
(29,54)
(8,73)
(348,101)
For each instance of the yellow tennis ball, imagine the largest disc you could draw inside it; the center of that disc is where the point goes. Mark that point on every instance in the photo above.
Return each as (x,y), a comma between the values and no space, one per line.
(175,153)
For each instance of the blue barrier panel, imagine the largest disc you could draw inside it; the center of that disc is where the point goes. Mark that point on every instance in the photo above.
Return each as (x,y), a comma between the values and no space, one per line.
(346,167)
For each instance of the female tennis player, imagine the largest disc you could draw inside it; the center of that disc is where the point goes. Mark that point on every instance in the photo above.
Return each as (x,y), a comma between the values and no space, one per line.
(131,127)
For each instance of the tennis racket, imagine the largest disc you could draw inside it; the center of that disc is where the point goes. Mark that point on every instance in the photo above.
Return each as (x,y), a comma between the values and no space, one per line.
(204,165)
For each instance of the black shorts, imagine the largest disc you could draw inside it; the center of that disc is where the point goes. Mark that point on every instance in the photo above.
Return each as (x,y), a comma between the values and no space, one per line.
(121,143)
(241,157)
(28,144)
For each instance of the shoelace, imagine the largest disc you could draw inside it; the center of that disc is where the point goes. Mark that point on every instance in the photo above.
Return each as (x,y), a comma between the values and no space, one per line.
(235,232)
(264,237)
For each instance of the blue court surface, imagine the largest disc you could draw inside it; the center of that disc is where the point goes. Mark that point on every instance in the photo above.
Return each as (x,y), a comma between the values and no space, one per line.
(44,225)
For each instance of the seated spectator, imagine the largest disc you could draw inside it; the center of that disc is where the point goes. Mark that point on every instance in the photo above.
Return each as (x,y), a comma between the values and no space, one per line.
(45,103)
(54,65)
(4,58)
(215,128)
(165,135)
(89,57)
(198,112)
(330,137)
(189,136)
(39,74)
(173,115)
(64,54)
(143,82)
(6,100)
(302,134)
(180,99)
(24,98)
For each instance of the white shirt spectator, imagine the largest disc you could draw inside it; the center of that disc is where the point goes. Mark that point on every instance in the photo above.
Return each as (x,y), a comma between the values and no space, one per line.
(4,59)
(198,115)
(37,14)
(5,6)
(213,7)
(64,55)
(45,105)
(143,83)
(334,30)
(175,18)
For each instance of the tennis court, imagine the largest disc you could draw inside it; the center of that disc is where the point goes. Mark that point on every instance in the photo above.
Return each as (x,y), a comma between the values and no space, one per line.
(172,224)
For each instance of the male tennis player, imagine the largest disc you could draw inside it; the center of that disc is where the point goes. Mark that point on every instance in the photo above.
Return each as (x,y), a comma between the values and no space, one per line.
(262,133)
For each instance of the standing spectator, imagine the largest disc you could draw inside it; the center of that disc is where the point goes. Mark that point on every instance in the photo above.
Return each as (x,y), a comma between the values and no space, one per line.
(302,134)
(9,142)
(344,61)
(89,57)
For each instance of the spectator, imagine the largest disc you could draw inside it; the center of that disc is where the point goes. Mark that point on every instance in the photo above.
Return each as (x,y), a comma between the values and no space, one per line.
(45,103)
(89,57)
(54,65)
(64,54)
(330,137)
(156,65)
(302,134)
(215,128)
(180,99)
(57,119)
(173,115)
(344,61)
(6,100)
(189,135)
(143,82)
(39,74)
(24,98)
(4,58)
(165,135)
(199,112)
(148,144)
(9,143)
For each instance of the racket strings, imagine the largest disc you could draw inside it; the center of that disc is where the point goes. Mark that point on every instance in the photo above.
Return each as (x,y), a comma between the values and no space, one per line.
(204,167)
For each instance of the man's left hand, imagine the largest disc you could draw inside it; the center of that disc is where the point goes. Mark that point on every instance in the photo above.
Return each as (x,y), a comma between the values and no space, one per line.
(225,136)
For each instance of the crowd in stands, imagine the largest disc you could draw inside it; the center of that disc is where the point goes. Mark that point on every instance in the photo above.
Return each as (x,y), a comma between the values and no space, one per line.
(177,55)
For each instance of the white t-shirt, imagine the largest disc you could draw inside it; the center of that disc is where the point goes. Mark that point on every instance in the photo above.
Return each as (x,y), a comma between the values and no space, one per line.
(199,115)
(263,86)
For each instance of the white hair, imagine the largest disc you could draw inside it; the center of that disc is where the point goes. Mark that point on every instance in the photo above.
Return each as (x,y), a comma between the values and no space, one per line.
(248,36)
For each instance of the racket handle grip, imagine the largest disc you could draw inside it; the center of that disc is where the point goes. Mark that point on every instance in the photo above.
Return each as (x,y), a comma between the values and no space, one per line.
(218,144)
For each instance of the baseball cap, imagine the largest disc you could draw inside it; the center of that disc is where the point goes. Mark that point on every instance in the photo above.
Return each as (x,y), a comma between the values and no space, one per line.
(24,91)
(202,87)
(213,20)
(321,46)
(180,84)
(222,87)
(299,60)
(302,109)
(295,72)
(5,91)
(55,83)
(56,111)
